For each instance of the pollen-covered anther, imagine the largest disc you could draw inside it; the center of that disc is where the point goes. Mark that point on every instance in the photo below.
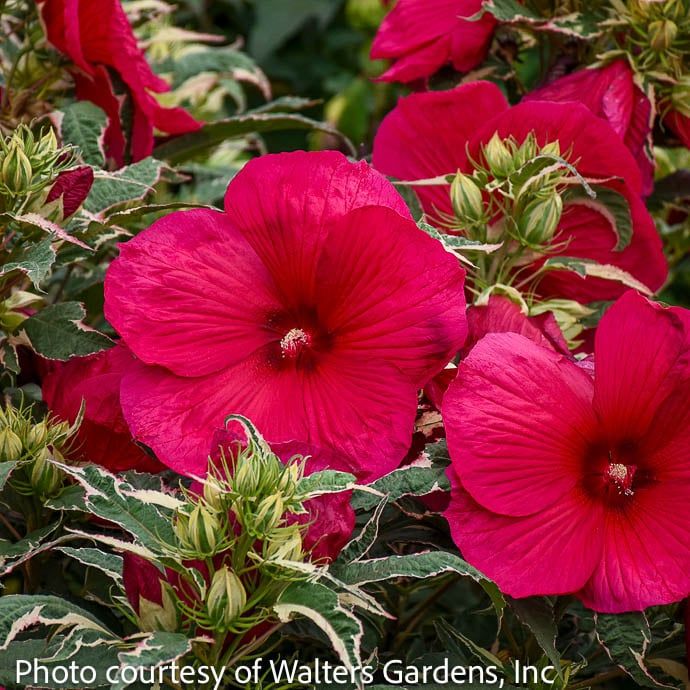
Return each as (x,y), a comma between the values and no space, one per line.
(294,342)
(621,476)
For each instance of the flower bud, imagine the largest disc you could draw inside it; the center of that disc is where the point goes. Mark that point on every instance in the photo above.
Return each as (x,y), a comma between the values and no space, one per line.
(37,435)
(46,478)
(153,617)
(199,531)
(226,599)
(10,445)
(286,548)
(662,33)
(498,157)
(269,514)
(680,96)
(214,494)
(538,222)
(16,170)
(467,200)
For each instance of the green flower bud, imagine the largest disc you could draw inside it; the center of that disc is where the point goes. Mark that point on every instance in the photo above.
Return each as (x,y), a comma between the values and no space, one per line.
(46,478)
(269,514)
(16,170)
(662,33)
(467,200)
(680,96)
(215,495)
(538,222)
(226,599)
(11,320)
(286,548)
(498,157)
(199,531)
(153,617)
(11,446)
(37,436)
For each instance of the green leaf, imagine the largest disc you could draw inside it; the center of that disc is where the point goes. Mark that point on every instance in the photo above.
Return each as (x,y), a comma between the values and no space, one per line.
(57,332)
(626,638)
(322,606)
(6,469)
(152,651)
(24,547)
(537,614)
(413,480)
(145,514)
(359,546)
(132,183)
(34,221)
(418,566)
(210,135)
(35,262)
(108,563)
(19,612)
(587,267)
(275,22)
(83,125)
(325,482)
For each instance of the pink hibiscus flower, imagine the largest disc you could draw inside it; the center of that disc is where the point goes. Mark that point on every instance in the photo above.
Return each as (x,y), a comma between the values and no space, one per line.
(564,483)
(680,124)
(103,437)
(313,306)
(423,35)
(97,37)
(431,134)
(611,93)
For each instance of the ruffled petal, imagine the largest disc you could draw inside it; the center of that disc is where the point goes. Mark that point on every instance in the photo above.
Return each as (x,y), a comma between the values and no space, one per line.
(553,551)
(286,204)
(637,372)
(390,292)
(518,418)
(190,294)
(365,412)
(419,63)
(426,135)
(646,553)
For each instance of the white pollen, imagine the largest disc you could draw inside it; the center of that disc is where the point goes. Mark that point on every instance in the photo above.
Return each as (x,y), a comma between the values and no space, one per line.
(618,472)
(293,341)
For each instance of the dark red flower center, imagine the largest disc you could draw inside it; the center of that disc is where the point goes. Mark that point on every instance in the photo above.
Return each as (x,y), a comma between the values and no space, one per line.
(614,472)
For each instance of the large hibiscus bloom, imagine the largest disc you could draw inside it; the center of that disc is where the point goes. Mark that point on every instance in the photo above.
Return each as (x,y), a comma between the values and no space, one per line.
(103,436)
(567,484)
(423,35)
(98,39)
(433,134)
(611,93)
(313,305)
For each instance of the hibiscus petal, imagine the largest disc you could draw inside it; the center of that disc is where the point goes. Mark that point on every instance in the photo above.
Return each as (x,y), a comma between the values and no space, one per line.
(586,233)
(287,221)
(388,291)
(427,133)
(190,294)
(517,419)
(636,373)
(419,63)
(553,551)
(365,412)
(646,553)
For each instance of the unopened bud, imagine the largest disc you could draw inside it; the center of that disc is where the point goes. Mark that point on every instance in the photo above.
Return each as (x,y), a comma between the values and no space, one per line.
(538,222)
(199,531)
(269,514)
(16,170)
(288,548)
(226,599)
(680,96)
(154,617)
(37,435)
(662,33)
(46,478)
(10,445)
(498,157)
(215,495)
(467,200)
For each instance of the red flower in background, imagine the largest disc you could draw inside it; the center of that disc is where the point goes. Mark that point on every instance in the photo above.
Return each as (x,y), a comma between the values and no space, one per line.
(680,124)
(422,36)
(611,93)
(431,134)
(314,306)
(103,437)
(98,39)
(567,484)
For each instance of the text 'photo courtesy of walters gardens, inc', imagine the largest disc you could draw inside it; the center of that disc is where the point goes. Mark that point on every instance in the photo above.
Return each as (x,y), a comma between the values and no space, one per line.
(344,343)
